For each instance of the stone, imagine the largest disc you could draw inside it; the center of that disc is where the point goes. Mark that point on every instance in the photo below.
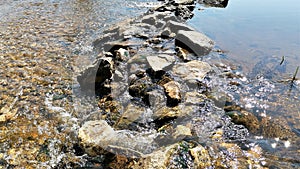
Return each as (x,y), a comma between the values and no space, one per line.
(149,19)
(112,46)
(184,2)
(194,98)
(97,137)
(132,113)
(176,26)
(122,54)
(181,132)
(276,128)
(155,160)
(215,3)
(245,118)
(172,90)
(96,74)
(157,99)
(160,62)
(192,71)
(167,113)
(201,157)
(194,41)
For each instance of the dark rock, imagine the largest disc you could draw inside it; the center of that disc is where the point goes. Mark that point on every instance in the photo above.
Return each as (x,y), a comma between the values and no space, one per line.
(139,88)
(276,128)
(194,41)
(96,75)
(246,119)
(215,3)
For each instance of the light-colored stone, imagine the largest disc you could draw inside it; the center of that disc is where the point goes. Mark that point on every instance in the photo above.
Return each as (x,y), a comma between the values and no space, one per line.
(183,2)
(172,89)
(160,62)
(197,42)
(192,71)
(97,136)
(132,114)
(176,26)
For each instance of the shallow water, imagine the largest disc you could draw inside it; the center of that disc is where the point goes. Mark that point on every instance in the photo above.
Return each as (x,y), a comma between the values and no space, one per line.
(253,37)
(41,44)
(253,30)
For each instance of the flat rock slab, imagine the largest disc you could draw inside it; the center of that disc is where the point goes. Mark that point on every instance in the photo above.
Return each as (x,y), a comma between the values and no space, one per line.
(176,26)
(194,41)
(192,71)
(98,135)
(160,62)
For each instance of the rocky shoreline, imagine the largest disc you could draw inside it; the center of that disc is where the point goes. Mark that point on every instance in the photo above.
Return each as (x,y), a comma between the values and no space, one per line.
(157,111)
(152,98)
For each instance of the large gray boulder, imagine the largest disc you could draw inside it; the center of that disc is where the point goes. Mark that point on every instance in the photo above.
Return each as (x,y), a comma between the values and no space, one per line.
(196,42)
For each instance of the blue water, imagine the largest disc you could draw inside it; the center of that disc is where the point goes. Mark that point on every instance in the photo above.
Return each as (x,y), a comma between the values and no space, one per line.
(251,30)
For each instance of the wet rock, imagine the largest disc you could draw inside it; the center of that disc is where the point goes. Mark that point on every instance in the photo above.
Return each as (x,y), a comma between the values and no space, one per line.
(182,53)
(155,160)
(192,71)
(181,132)
(172,90)
(245,118)
(160,62)
(220,98)
(185,12)
(132,114)
(215,3)
(184,2)
(197,42)
(95,75)
(149,19)
(201,157)
(157,98)
(194,98)
(140,87)
(167,113)
(99,43)
(97,137)
(176,26)
(113,46)
(276,128)
(122,54)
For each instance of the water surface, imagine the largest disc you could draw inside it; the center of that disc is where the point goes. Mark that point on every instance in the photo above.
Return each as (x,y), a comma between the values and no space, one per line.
(254,30)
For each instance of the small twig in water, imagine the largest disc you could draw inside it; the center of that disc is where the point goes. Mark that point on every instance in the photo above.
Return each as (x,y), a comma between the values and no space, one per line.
(282,60)
(294,77)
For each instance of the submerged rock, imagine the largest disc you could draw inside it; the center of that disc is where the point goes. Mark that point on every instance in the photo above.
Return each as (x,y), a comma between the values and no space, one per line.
(197,42)
(245,118)
(97,137)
